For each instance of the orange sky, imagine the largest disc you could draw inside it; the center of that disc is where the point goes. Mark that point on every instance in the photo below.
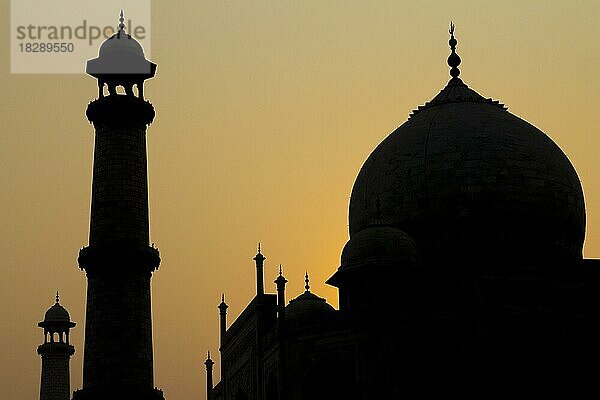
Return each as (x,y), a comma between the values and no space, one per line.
(265,112)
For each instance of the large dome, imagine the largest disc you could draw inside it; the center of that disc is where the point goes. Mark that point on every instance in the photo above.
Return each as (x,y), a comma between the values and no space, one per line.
(464,177)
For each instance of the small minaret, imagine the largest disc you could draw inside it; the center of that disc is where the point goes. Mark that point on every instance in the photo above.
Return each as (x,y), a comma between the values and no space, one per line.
(280,282)
(56,353)
(259,258)
(223,318)
(209,377)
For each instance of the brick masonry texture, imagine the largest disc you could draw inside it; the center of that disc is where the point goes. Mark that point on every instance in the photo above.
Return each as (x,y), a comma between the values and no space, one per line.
(120,187)
(55,383)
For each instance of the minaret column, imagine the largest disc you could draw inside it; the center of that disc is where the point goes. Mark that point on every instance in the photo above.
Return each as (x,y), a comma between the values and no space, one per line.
(222,319)
(259,259)
(280,283)
(118,354)
(56,354)
(209,377)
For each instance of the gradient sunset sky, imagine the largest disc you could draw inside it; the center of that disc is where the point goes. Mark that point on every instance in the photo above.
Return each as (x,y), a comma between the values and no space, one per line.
(266,111)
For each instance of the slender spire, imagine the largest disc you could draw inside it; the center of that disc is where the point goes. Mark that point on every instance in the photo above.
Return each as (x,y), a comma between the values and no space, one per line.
(57,298)
(453,59)
(306,280)
(223,306)
(280,280)
(259,247)
(121,21)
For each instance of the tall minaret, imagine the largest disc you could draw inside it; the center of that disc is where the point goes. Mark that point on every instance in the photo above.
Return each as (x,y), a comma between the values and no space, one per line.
(118,360)
(56,353)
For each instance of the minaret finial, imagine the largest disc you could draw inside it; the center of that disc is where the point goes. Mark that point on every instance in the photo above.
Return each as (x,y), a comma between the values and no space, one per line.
(280,271)
(453,59)
(259,247)
(57,297)
(307,286)
(208,358)
(121,21)
(223,297)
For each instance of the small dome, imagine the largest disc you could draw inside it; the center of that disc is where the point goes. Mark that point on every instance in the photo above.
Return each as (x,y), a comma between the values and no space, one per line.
(380,246)
(57,313)
(119,45)
(120,55)
(308,309)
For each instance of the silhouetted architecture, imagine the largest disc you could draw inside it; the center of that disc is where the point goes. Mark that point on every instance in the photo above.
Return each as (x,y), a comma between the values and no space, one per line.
(119,261)
(56,352)
(463,276)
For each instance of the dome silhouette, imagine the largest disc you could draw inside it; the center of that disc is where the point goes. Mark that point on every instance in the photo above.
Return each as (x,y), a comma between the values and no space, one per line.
(57,313)
(120,54)
(121,44)
(308,309)
(463,175)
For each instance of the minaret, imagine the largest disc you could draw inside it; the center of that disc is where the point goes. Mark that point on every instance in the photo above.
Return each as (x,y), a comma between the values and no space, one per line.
(280,283)
(209,376)
(260,259)
(56,353)
(118,360)
(223,318)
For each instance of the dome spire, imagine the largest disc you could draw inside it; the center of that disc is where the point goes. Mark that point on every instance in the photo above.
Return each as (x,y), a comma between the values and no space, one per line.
(57,298)
(306,280)
(453,59)
(121,21)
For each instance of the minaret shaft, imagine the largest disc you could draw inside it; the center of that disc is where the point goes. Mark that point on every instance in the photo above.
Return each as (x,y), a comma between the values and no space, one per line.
(119,214)
(55,382)
(119,263)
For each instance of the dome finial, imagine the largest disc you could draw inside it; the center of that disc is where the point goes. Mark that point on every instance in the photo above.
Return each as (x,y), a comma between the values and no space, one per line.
(121,20)
(307,286)
(280,271)
(453,59)
(57,297)
(258,247)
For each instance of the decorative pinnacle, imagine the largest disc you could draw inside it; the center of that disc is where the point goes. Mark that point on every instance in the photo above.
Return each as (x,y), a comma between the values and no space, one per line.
(57,297)
(453,59)
(223,306)
(280,280)
(209,363)
(307,286)
(121,20)
(259,257)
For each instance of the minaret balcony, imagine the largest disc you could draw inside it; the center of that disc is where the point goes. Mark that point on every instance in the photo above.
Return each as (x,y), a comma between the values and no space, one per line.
(106,258)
